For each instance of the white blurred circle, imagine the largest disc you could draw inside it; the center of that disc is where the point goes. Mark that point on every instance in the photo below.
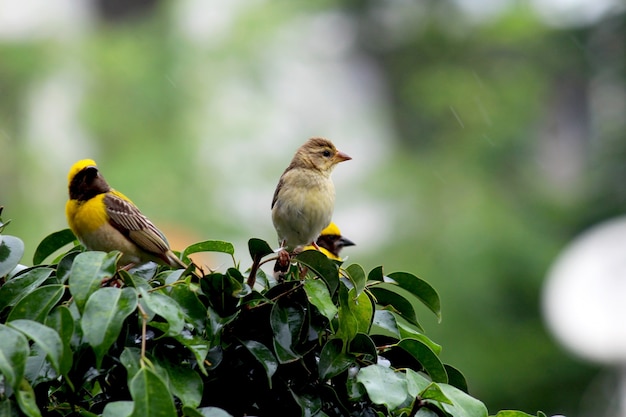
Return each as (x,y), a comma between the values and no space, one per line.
(584,298)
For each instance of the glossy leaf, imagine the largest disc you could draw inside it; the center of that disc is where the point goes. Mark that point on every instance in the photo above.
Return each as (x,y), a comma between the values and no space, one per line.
(18,287)
(259,248)
(286,322)
(318,295)
(131,359)
(416,382)
(209,246)
(47,339)
(14,351)
(426,357)
(37,304)
(11,251)
(456,378)
(419,288)
(265,357)
(51,244)
(193,309)
(363,347)
(26,399)
(167,308)
(322,267)
(61,320)
(151,396)
(433,392)
(388,295)
(184,382)
(357,277)
(383,385)
(118,409)
(513,413)
(199,347)
(348,323)
(104,315)
(64,267)
(384,323)
(205,412)
(333,360)
(463,405)
(376,274)
(88,271)
(310,404)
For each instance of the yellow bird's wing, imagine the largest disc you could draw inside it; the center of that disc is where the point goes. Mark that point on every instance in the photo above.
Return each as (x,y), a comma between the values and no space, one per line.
(126,217)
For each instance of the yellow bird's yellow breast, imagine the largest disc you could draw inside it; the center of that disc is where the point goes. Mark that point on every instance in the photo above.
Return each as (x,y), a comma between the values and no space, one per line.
(85,217)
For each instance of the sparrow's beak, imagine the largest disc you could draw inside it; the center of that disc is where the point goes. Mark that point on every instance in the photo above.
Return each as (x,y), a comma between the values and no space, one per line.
(340,157)
(343,242)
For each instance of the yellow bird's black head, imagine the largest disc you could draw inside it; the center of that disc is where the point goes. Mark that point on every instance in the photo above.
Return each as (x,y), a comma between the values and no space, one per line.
(85,181)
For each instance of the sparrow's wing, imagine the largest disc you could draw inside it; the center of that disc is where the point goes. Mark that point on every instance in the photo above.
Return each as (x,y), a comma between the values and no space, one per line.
(126,217)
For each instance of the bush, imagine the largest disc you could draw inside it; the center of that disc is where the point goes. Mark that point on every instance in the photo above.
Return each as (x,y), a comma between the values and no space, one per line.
(81,337)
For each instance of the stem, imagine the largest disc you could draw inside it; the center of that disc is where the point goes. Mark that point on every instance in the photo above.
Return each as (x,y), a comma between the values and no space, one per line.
(144,321)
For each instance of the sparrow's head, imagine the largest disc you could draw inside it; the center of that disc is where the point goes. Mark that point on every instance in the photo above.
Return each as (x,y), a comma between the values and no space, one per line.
(319,154)
(85,181)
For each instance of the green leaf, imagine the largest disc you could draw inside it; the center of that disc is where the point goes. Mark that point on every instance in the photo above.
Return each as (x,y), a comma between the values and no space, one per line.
(265,357)
(131,359)
(357,277)
(310,404)
(184,383)
(62,322)
(26,399)
(118,409)
(150,395)
(51,244)
(456,378)
(209,246)
(198,346)
(388,295)
(64,267)
(420,288)
(363,347)
(376,274)
(322,266)
(18,287)
(362,308)
(434,393)
(416,382)
(383,385)
(14,351)
(333,360)
(105,312)
(11,251)
(286,322)
(38,304)
(205,412)
(514,413)
(426,357)
(47,339)
(347,322)
(167,308)
(88,271)
(318,295)
(384,323)
(193,309)
(463,404)
(259,248)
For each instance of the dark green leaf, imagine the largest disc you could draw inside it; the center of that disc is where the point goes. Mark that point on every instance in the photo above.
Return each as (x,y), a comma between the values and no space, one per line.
(184,382)
(205,412)
(11,251)
(194,310)
(384,323)
(389,295)
(357,277)
(36,305)
(265,357)
(104,315)
(309,404)
(150,395)
(17,288)
(286,322)
(456,378)
(383,385)
(199,347)
(514,413)
(61,320)
(376,274)
(64,268)
(51,244)
(347,322)
(259,248)
(333,360)
(87,273)
(318,295)
(420,288)
(416,382)
(209,246)
(47,339)
(434,393)
(363,347)
(426,357)
(322,266)
(13,353)
(131,359)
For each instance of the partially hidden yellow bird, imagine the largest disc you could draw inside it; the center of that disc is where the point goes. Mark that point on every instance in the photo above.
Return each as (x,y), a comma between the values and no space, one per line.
(331,242)
(304,199)
(104,219)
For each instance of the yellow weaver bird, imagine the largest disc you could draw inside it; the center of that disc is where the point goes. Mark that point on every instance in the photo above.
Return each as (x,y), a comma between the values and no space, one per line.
(330,242)
(104,219)
(304,199)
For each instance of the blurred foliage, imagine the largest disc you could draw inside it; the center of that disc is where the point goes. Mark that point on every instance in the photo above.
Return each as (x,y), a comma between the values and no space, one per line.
(479,205)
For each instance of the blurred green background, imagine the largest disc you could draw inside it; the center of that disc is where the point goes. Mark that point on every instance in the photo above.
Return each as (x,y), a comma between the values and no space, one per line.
(485,135)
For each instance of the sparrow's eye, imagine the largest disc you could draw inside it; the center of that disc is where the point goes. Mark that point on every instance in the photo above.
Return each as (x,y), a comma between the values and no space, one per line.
(326,153)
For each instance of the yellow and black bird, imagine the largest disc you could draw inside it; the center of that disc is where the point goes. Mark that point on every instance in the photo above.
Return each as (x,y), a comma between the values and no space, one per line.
(104,219)
(331,242)
(304,199)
